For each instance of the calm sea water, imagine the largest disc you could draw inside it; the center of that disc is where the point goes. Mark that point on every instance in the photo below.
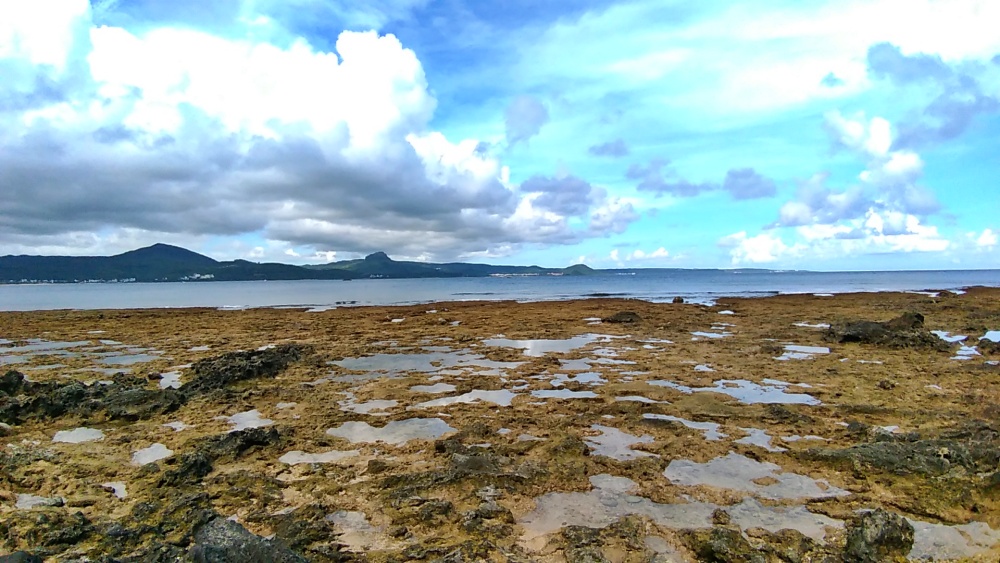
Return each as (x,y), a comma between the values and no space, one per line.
(663,285)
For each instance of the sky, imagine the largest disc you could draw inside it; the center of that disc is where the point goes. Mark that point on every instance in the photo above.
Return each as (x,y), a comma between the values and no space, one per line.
(822,135)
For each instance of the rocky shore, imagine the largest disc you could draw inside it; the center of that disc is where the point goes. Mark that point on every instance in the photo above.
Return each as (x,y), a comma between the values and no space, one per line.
(856,427)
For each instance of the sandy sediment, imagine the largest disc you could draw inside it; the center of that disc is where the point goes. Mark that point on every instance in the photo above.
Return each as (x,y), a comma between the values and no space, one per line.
(535,432)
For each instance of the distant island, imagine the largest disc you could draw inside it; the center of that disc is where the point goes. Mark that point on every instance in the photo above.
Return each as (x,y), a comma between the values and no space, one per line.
(167,263)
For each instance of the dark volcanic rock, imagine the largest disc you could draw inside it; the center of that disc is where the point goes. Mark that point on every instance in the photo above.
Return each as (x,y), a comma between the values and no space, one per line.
(974,446)
(140,404)
(904,331)
(878,536)
(223,541)
(216,373)
(623,317)
(11,383)
(722,545)
(20,557)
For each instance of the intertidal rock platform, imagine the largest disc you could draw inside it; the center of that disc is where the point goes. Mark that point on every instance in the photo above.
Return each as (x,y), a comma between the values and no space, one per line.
(855,427)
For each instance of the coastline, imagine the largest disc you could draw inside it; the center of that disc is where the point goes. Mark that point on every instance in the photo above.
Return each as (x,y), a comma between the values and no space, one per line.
(894,400)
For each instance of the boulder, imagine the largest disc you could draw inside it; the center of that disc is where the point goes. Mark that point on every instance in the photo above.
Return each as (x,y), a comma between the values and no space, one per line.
(623,317)
(878,536)
(224,541)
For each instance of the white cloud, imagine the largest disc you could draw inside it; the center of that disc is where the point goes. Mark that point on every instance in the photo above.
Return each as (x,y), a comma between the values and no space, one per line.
(987,239)
(760,249)
(178,131)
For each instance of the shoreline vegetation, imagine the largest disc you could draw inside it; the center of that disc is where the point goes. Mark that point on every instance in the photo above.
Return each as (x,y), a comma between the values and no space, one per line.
(855,427)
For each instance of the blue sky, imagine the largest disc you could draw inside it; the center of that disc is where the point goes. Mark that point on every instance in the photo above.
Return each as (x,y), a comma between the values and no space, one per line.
(847,135)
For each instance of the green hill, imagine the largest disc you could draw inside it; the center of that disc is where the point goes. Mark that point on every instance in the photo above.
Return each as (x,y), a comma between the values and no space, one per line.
(163,262)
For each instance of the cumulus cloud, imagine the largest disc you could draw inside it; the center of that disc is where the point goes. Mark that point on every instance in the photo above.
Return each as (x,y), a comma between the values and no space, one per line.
(746,183)
(177,135)
(616,148)
(763,248)
(524,118)
(889,182)
(741,183)
(959,100)
(570,196)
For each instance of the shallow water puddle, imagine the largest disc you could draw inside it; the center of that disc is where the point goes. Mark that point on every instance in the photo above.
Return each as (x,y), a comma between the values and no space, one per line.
(938,541)
(948,337)
(703,368)
(616,444)
(40,347)
(128,359)
(712,335)
(397,432)
(538,348)
(640,399)
(170,380)
(246,420)
(760,438)
(501,398)
(991,335)
(28,501)
(797,352)
(585,378)
(368,407)
(710,429)
(965,353)
(433,389)
(563,394)
(116,488)
(741,473)
(807,325)
(747,392)
(611,499)
(78,435)
(356,533)
(177,425)
(425,362)
(153,453)
(297,457)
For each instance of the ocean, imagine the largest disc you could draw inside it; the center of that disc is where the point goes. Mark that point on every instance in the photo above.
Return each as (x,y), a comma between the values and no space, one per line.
(701,286)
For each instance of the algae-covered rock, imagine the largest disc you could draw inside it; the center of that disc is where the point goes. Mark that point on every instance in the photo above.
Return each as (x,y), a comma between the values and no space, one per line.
(722,545)
(878,536)
(904,331)
(623,317)
(224,541)
(216,373)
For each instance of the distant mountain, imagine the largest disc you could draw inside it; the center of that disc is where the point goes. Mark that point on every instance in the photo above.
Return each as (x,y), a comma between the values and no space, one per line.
(163,262)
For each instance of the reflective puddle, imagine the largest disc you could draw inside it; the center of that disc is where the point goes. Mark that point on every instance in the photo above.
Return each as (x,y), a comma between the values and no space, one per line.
(501,397)
(396,433)
(710,429)
(538,348)
(424,362)
(297,457)
(78,435)
(246,420)
(796,352)
(612,498)
(368,407)
(153,453)
(436,388)
(760,438)
(740,473)
(616,444)
(563,394)
(747,392)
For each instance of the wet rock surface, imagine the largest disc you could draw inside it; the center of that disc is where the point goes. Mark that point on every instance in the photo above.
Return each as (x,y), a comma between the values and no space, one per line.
(548,476)
(905,331)
(878,536)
